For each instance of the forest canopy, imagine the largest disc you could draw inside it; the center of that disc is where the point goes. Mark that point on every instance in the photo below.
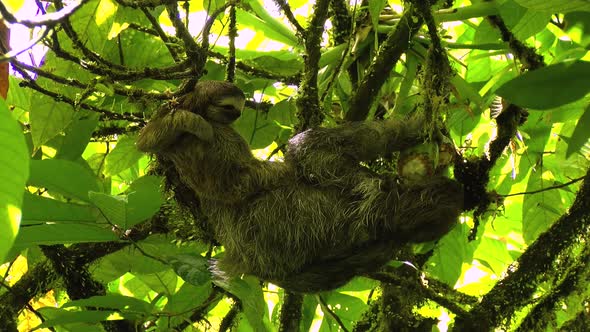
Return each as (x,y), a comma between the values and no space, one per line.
(93,238)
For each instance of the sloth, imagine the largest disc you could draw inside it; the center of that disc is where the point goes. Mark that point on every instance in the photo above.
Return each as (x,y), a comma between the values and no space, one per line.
(316,219)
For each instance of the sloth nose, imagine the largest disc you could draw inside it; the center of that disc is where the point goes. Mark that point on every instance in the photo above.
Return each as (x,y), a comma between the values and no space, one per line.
(233,114)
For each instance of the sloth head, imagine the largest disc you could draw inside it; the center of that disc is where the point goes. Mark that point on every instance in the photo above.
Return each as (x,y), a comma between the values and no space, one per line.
(216,101)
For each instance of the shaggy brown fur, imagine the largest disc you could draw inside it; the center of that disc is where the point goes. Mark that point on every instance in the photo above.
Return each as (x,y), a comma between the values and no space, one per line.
(314,221)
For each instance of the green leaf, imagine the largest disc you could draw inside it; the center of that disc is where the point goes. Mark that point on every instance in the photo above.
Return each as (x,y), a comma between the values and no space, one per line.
(123,156)
(193,269)
(14,171)
(112,301)
(451,252)
(48,118)
(284,113)
(347,307)
(577,27)
(556,6)
(144,200)
(274,26)
(549,87)
(126,211)
(494,254)
(38,209)
(277,66)
(256,129)
(580,135)
(185,299)
(62,176)
(308,312)
(266,27)
(87,316)
(249,292)
(112,207)
(523,22)
(63,233)
(375,8)
(161,282)
(539,210)
(77,136)
(18,97)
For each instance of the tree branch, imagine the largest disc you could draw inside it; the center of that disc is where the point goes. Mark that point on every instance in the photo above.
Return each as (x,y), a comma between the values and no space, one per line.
(48,20)
(397,42)
(284,6)
(158,29)
(538,261)
(290,315)
(308,106)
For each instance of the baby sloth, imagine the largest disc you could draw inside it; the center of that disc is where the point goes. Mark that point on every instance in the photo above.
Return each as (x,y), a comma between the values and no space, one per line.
(313,221)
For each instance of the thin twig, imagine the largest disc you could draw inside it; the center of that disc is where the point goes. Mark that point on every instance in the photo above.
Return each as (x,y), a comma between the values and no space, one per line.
(48,20)
(209,24)
(75,38)
(546,189)
(331,313)
(31,83)
(13,54)
(289,14)
(161,34)
(120,89)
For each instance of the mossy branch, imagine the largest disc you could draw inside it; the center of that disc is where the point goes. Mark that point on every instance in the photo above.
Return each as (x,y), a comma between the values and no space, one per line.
(397,42)
(518,288)
(310,114)
(290,316)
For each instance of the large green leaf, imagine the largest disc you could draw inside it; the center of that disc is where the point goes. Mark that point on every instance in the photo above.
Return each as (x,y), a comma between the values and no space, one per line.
(123,156)
(63,233)
(539,210)
(48,117)
(348,308)
(267,28)
(184,301)
(256,129)
(88,316)
(523,22)
(550,86)
(38,209)
(113,208)
(375,8)
(142,202)
(144,199)
(556,6)
(62,176)
(113,301)
(452,251)
(580,135)
(249,292)
(14,171)
(274,27)
(77,136)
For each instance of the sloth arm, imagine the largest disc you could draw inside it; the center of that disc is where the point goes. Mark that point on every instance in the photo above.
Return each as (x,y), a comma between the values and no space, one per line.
(162,132)
(332,155)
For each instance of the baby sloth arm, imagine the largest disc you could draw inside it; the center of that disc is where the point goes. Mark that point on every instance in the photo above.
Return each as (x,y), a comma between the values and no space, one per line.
(164,130)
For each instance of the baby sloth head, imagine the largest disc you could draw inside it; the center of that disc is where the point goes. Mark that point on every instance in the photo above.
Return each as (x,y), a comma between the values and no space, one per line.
(216,101)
